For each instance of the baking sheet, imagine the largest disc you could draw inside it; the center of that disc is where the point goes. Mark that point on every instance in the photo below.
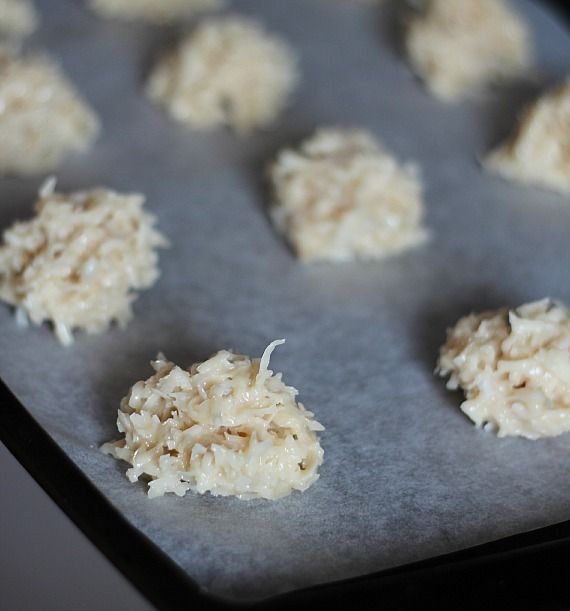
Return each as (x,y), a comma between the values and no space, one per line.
(406,476)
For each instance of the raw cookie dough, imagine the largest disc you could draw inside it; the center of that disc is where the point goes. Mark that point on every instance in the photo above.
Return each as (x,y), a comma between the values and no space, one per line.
(227,426)
(229,71)
(460,46)
(514,367)
(342,196)
(539,150)
(18,18)
(42,117)
(78,260)
(156,11)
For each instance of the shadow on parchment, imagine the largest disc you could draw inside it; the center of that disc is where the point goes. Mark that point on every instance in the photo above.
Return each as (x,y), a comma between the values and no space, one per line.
(159,43)
(504,104)
(394,15)
(430,328)
(18,199)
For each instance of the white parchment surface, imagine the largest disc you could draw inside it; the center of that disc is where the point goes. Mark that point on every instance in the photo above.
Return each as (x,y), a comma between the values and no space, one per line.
(406,476)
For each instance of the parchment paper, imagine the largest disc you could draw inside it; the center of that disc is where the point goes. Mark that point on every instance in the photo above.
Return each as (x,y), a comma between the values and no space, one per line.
(406,476)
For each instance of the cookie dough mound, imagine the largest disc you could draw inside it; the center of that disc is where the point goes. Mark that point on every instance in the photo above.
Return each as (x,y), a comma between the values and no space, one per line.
(42,117)
(342,196)
(227,426)
(78,260)
(460,46)
(539,150)
(18,18)
(229,71)
(514,367)
(155,11)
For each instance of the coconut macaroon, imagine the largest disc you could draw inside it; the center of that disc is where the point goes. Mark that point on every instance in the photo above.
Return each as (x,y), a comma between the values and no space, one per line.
(538,152)
(18,18)
(154,11)
(229,72)
(77,262)
(42,117)
(227,426)
(514,367)
(342,196)
(461,46)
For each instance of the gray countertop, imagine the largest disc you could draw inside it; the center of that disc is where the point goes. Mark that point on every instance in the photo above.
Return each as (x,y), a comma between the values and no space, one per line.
(46,562)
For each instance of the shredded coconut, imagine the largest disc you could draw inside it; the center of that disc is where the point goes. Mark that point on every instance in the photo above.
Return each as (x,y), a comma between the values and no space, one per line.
(42,117)
(460,46)
(342,196)
(155,11)
(18,18)
(229,71)
(77,261)
(539,150)
(227,426)
(514,367)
